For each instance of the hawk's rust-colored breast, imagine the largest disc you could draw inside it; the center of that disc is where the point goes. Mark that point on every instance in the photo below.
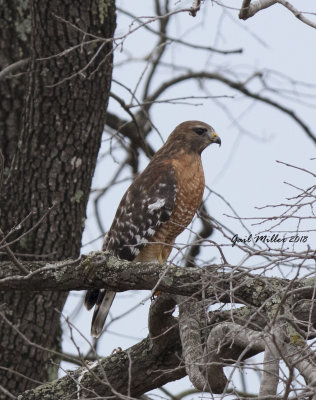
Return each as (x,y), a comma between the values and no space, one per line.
(190,187)
(191,183)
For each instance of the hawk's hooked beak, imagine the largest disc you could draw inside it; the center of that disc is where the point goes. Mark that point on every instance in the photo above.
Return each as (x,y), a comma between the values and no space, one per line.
(214,138)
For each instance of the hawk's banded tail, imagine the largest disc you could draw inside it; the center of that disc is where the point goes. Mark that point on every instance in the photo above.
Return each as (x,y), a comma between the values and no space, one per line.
(102,299)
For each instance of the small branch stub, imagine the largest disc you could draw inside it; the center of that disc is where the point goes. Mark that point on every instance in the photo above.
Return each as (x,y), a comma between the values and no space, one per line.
(196,5)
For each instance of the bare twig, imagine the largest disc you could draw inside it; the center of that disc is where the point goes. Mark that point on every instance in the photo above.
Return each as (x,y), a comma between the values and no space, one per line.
(1,168)
(249,10)
(196,5)
(35,225)
(298,14)
(7,393)
(12,68)
(169,38)
(234,85)
(12,257)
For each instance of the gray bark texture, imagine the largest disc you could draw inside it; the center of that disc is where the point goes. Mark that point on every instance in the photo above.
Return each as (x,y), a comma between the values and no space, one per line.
(100,270)
(109,378)
(50,134)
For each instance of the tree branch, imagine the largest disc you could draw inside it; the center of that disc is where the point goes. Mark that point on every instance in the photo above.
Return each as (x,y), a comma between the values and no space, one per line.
(136,133)
(226,343)
(298,14)
(300,356)
(270,375)
(109,377)
(190,334)
(243,13)
(239,86)
(249,10)
(168,38)
(205,232)
(12,68)
(100,270)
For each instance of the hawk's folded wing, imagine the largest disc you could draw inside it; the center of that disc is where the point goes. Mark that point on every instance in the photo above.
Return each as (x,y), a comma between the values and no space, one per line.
(147,204)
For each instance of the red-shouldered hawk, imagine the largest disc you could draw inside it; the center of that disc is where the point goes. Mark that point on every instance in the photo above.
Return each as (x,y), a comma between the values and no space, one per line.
(157,207)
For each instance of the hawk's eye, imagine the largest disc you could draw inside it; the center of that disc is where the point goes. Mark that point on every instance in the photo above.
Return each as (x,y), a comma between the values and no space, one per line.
(200,131)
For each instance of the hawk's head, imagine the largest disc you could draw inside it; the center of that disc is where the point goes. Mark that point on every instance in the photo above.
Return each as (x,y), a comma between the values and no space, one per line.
(194,136)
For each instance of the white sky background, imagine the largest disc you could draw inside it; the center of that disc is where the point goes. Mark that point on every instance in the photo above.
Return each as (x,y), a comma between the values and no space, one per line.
(244,169)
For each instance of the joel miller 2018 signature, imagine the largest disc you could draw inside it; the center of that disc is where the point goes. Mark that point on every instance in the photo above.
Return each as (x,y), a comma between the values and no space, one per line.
(275,238)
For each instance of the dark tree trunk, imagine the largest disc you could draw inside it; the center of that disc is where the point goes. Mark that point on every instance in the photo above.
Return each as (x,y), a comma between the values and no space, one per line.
(15,28)
(55,157)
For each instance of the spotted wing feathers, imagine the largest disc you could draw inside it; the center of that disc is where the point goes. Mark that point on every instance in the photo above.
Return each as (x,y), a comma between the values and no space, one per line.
(147,204)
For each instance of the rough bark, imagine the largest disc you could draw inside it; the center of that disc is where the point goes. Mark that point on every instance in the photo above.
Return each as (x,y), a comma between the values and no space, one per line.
(191,339)
(100,270)
(15,28)
(54,160)
(110,376)
(274,341)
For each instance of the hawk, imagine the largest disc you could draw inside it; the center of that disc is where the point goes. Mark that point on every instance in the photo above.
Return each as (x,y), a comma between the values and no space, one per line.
(157,207)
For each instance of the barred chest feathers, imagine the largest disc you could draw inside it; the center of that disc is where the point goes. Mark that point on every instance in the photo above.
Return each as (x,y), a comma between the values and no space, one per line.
(191,183)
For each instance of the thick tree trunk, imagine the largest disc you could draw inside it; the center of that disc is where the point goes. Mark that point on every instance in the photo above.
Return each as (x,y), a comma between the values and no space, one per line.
(15,28)
(52,169)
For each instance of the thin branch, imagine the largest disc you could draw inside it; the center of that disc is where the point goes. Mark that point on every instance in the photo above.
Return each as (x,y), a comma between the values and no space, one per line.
(298,14)
(12,68)
(249,10)
(1,168)
(196,5)
(234,85)
(7,393)
(3,245)
(160,49)
(296,167)
(125,107)
(129,130)
(12,257)
(194,46)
